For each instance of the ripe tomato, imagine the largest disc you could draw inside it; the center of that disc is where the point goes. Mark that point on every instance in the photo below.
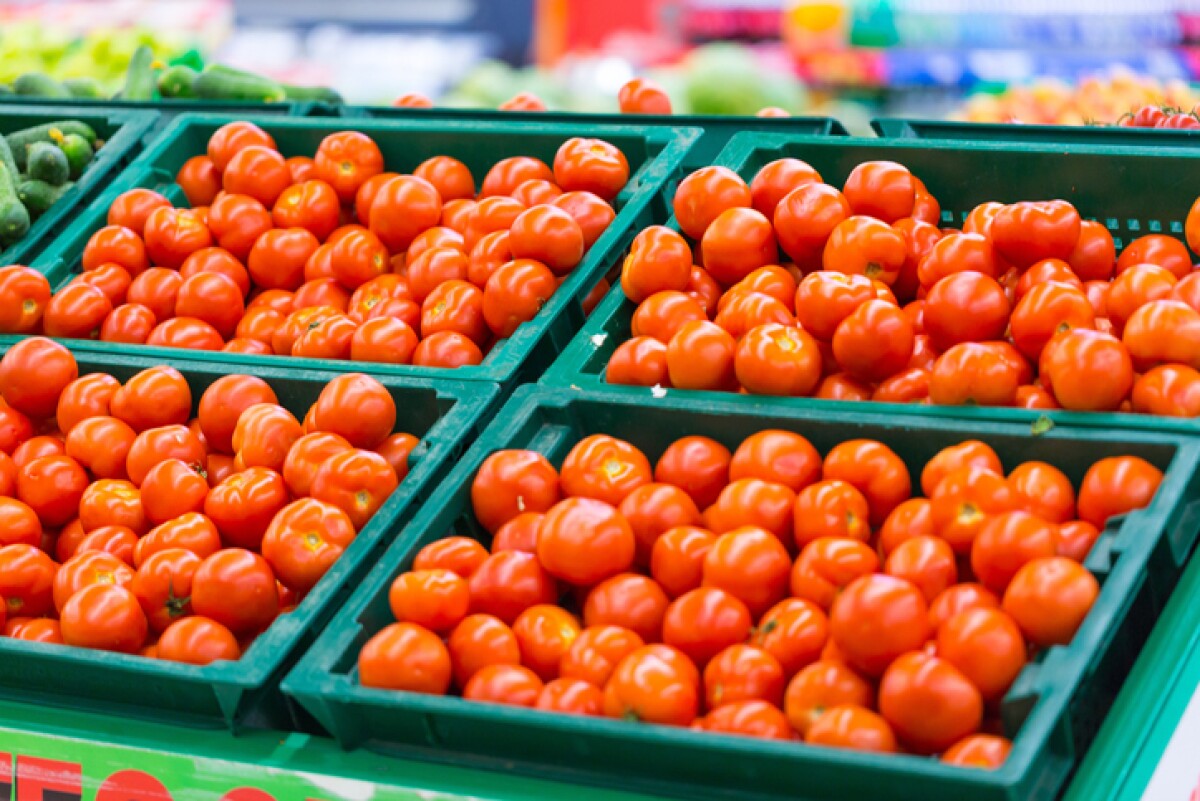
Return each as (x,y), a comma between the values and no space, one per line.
(1076,538)
(752,718)
(156,397)
(119,245)
(653,509)
(455,307)
(508,583)
(805,219)
(174,234)
(1165,251)
(52,486)
(874,341)
(404,656)
(1134,287)
(663,314)
(236,588)
(975,373)
(163,586)
(549,235)
(199,179)
(571,696)
(257,171)
(197,641)
(491,215)
(854,727)
(277,259)
(865,246)
(303,540)
(403,208)
(19,524)
(1169,390)
(24,295)
(875,470)
(639,361)
(511,482)
(1008,541)
(186,332)
(450,177)
(753,502)
(697,465)
(705,621)
(1029,231)
(701,356)
(929,702)
(986,645)
(446,349)
(229,139)
(776,179)
(192,532)
(544,634)
(824,299)
(985,751)
(111,279)
(504,684)
(106,617)
(822,686)
(704,195)
(312,205)
(1049,598)
(213,298)
(356,481)
(131,323)
(595,652)
(519,534)
(592,166)
(461,555)
(1043,490)
(243,505)
(345,160)
(86,397)
(736,243)
(584,541)
(884,190)
(591,211)
(1046,310)
(357,408)
(659,259)
(172,488)
(1095,253)
(875,619)
(830,509)
(643,96)
(654,684)
(223,403)
(237,221)
(489,254)
(965,307)
(1117,485)
(775,359)
(751,564)
(1159,332)
(928,562)
(33,374)
(479,641)
(628,600)
(1087,370)
(436,599)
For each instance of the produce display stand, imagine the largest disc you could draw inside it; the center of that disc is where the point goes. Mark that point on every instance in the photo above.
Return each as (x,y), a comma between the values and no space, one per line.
(1053,709)
(655,157)
(717,131)
(1048,134)
(124,133)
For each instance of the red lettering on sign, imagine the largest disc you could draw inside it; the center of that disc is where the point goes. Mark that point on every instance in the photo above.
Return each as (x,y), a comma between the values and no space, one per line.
(247,794)
(132,785)
(37,777)
(6,765)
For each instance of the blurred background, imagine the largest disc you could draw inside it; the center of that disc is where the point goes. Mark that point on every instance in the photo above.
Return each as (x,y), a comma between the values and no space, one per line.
(1069,61)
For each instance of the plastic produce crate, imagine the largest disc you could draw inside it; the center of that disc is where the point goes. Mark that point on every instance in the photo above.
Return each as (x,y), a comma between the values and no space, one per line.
(718,130)
(1056,704)
(170,108)
(654,156)
(1133,191)
(1047,134)
(123,133)
(245,693)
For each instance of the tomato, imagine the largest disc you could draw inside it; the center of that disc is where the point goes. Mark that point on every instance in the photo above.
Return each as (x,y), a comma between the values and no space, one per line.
(929,702)
(702,196)
(774,359)
(304,539)
(245,504)
(703,622)
(806,217)
(508,583)
(604,468)
(831,509)
(584,541)
(549,235)
(489,254)
(519,534)
(447,349)
(592,212)
(736,243)
(403,208)
(753,502)
(397,449)
(965,307)
(86,397)
(778,178)
(640,361)
(865,246)
(1029,231)
(1008,541)
(237,221)
(1170,390)
(384,340)
(511,482)
(236,588)
(643,96)
(106,617)
(52,486)
(663,314)
(213,298)
(986,751)
(172,488)
(545,633)
(874,342)
(278,257)
(186,332)
(455,307)
(461,555)
(26,580)
(701,356)
(450,177)
(590,165)
(197,641)
(111,279)
(659,259)
(116,540)
(163,586)
(223,403)
(24,296)
(652,509)
(654,684)
(1046,310)
(33,374)
(1161,331)
(156,289)
(328,338)
(435,599)
(824,299)
(571,696)
(986,645)
(1087,370)
(884,190)
(40,630)
(199,179)
(491,215)
(751,564)
(345,160)
(1115,486)
(356,481)
(405,656)
(156,397)
(504,684)
(1049,598)
(174,234)
(112,502)
(875,470)
(970,453)
(312,205)
(631,601)
(231,138)
(926,561)
(1043,490)
(974,373)
(751,718)
(259,172)
(36,448)
(1095,253)
(191,532)
(596,651)
(877,618)
(852,726)
(116,244)
(19,523)
(479,641)
(1165,251)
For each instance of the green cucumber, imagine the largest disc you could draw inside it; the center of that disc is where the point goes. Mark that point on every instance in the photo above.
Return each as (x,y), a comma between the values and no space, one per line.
(7,161)
(225,83)
(78,151)
(177,81)
(47,162)
(14,219)
(318,94)
(20,140)
(87,88)
(39,196)
(38,84)
(140,81)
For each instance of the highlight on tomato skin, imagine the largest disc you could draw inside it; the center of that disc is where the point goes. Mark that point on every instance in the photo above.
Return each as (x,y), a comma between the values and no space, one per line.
(1027,305)
(761,588)
(332,230)
(173,520)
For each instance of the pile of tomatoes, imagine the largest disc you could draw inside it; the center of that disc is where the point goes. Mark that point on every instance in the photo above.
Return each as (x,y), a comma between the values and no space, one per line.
(129,525)
(1028,305)
(765,592)
(331,257)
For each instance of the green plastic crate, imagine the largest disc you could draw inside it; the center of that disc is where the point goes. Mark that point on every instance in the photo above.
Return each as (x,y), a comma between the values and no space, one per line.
(1055,705)
(1047,134)
(717,130)
(654,156)
(1138,753)
(446,415)
(1133,191)
(169,109)
(123,133)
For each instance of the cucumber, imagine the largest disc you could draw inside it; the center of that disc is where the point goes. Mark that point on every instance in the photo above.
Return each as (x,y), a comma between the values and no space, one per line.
(38,196)
(225,83)
(14,219)
(39,84)
(87,88)
(20,140)
(177,81)
(319,94)
(48,163)
(140,80)
(7,161)
(78,151)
